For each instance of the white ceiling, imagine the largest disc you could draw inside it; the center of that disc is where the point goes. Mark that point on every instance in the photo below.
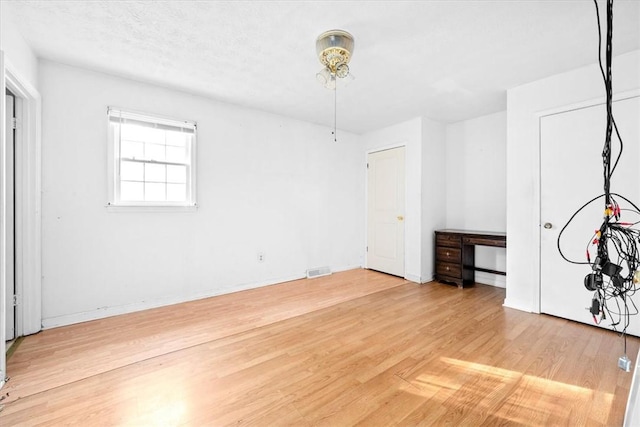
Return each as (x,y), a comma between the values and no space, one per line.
(447,60)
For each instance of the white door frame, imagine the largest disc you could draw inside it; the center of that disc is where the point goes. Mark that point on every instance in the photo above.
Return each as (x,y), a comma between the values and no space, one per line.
(28,256)
(366,198)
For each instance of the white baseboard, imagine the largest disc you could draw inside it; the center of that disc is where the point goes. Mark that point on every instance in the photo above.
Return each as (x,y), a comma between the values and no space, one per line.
(480,277)
(510,304)
(413,278)
(491,279)
(346,268)
(103,312)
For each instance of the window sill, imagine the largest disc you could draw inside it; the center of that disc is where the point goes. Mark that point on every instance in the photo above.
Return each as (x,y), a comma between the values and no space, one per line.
(146,208)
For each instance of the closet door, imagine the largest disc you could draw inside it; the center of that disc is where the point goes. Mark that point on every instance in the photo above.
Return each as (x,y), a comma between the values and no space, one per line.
(571,173)
(385,211)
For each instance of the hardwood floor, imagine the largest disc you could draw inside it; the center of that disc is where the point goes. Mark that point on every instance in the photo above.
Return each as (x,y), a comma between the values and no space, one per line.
(356,347)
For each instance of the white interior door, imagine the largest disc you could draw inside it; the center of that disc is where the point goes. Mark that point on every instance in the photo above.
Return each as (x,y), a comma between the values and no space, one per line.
(10,234)
(571,173)
(385,211)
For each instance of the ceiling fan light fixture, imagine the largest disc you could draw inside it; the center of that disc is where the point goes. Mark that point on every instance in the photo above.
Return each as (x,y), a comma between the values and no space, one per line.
(334,49)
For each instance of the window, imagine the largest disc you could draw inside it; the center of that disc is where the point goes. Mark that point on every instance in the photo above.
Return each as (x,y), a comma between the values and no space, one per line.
(153,160)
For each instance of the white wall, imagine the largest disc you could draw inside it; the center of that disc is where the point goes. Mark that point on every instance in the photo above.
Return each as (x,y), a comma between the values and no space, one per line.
(18,55)
(524,104)
(476,172)
(434,194)
(265,184)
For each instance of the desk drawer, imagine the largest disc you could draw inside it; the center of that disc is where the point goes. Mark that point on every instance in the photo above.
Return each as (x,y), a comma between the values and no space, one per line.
(448,269)
(486,241)
(451,240)
(448,254)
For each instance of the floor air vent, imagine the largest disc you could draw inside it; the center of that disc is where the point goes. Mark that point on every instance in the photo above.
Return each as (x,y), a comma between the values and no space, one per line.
(317,272)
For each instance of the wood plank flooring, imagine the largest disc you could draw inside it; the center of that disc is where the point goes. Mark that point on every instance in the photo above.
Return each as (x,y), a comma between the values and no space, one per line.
(353,348)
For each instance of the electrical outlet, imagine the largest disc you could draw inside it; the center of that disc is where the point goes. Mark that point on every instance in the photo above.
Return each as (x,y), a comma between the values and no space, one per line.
(260,256)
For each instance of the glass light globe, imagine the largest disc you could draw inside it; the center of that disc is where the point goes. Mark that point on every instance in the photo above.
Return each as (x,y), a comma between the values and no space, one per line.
(323,76)
(342,70)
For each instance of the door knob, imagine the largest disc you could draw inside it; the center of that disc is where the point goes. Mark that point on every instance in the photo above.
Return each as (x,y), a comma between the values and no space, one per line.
(400,218)
(547,225)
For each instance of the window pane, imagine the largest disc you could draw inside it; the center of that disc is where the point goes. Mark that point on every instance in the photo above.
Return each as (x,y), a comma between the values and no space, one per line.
(176,192)
(131,171)
(176,154)
(155,192)
(154,173)
(133,132)
(131,191)
(155,136)
(177,174)
(154,152)
(131,149)
(177,139)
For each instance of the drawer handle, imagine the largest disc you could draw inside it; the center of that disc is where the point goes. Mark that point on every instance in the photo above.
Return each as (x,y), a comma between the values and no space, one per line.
(447,268)
(448,253)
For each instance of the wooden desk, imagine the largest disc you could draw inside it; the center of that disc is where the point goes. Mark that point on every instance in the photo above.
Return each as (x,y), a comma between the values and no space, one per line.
(455,254)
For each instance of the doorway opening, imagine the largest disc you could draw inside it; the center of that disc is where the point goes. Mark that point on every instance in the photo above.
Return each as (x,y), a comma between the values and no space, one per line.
(10,245)
(21,201)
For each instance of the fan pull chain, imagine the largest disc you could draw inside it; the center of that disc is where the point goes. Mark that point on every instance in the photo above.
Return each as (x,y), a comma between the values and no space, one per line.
(335,112)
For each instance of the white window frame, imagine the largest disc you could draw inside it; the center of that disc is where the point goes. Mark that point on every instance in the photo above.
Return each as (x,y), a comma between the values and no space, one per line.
(115,204)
